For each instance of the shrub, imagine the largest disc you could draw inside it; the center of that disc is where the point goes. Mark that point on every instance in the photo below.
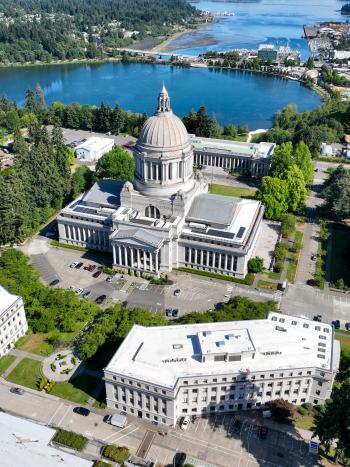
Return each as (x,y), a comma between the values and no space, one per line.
(102,464)
(42,383)
(278,266)
(307,406)
(73,361)
(107,270)
(288,225)
(117,454)
(248,280)
(256,264)
(70,439)
(281,409)
(53,367)
(302,410)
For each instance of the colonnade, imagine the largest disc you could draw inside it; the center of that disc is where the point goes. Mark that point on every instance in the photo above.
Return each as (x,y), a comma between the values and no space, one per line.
(211,259)
(136,258)
(87,235)
(232,163)
(160,171)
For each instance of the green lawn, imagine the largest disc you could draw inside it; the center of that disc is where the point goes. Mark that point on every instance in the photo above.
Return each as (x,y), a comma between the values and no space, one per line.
(305,422)
(235,191)
(340,239)
(344,338)
(26,373)
(38,343)
(291,271)
(267,285)
(5,362)
(77,390)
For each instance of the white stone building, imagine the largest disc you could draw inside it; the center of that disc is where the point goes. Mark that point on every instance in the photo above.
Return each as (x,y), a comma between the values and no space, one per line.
(165,219)
(13,322)
(93,148)
(162,373)
(233,156)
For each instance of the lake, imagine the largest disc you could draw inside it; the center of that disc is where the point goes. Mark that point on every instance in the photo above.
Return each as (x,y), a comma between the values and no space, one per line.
(234,97)
(277,22)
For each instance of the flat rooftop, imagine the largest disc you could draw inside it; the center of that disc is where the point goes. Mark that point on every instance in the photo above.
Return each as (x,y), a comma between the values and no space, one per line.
(95,143)
(262,149)
(25,443)
(6,299)
(160,355)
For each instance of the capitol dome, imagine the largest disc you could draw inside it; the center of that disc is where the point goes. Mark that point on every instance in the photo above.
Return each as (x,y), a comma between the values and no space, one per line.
(164,131)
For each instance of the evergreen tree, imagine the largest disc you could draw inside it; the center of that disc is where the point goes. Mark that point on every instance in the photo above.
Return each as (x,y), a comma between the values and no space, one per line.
(30,103)
(40,99)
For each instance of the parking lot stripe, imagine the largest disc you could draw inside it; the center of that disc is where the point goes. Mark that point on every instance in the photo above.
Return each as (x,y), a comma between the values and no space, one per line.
(113,434)
(124,435)
(65,413)
(55,412)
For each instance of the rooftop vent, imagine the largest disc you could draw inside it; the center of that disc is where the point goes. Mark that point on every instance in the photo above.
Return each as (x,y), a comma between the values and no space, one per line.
(206,333)
(177,346)
(229,336)
(220,343)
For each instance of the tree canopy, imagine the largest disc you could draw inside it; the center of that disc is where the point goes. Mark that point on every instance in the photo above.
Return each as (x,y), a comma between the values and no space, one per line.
(273,193)
(117,164)
(336,192)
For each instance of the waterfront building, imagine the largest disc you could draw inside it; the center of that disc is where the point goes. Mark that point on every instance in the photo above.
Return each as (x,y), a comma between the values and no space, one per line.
(165,219)
(163,373)
(13,322)
(267,52)
(93,148)
(233,156)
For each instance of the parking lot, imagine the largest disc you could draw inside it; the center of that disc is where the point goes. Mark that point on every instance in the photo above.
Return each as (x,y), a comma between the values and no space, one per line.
(217,440)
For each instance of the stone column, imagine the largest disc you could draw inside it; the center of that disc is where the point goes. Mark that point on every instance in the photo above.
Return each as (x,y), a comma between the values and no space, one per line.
(201,257)
(126,256)
(208,257)
(138,259)
(144,261)
(150,261)
(119,255)
(225,261)
(132,257)
(114,256)
(195,255)
(220,261)
(213,263)
(157,265)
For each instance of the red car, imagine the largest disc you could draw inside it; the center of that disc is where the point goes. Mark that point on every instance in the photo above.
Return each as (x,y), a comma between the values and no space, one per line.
(97,273)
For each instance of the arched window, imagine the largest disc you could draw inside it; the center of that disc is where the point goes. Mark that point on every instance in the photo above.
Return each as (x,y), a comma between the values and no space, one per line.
(152,211)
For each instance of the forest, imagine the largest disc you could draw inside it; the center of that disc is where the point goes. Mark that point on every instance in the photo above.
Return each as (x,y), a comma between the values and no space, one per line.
(45,30)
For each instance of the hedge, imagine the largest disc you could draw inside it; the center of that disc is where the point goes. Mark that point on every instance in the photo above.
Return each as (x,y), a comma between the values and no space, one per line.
(248,280)
(70,247)
(116,453)
(102,464)
(70,439)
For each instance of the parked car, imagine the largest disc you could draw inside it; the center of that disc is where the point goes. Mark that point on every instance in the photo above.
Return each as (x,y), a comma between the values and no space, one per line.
(100,299)
(79,291)
(317,318)
(120,421)
(15,390)
(179,459)
(347,326)
(74,265)
(169,312)
(313,257)
(97,273)
(336,323)
(81,411)
(54,282)
(110,278)
(185,422)
(263,432)
(79,265)
(177,292)
(92,267)
(175,312)
(87,294)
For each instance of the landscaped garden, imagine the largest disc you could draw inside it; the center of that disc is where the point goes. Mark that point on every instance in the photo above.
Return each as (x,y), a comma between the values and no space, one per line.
(5,362)
(79,389)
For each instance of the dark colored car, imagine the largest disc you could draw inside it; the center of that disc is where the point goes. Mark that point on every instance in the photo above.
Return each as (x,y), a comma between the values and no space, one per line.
(263,432)
(86,294)
(169,312)
(177,292)
(81,411)
(336,324)
(175,312)
(54,282)
(347,326)
(79,265)
(88,267)
(100,299)
(179,459)
(97,273)
(19,391)
(92,267)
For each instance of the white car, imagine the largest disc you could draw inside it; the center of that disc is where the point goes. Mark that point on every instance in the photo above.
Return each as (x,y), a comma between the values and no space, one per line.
(79,291)
(73,265)
(185,423)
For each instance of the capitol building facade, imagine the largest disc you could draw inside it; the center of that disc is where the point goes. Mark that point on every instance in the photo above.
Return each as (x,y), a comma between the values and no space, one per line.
(165,219)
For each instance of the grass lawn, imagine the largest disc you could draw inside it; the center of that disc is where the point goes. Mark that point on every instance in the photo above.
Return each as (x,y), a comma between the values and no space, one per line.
(77,390)
(271,275)
(37,343)
(305,422)
(291,271)
(267,285)
(26,373)
(344,338)
(100,402)
(340,239)
(5,362)
(226,190)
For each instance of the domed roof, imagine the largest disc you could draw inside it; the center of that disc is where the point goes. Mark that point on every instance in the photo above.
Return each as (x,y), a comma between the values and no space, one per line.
(164,130)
